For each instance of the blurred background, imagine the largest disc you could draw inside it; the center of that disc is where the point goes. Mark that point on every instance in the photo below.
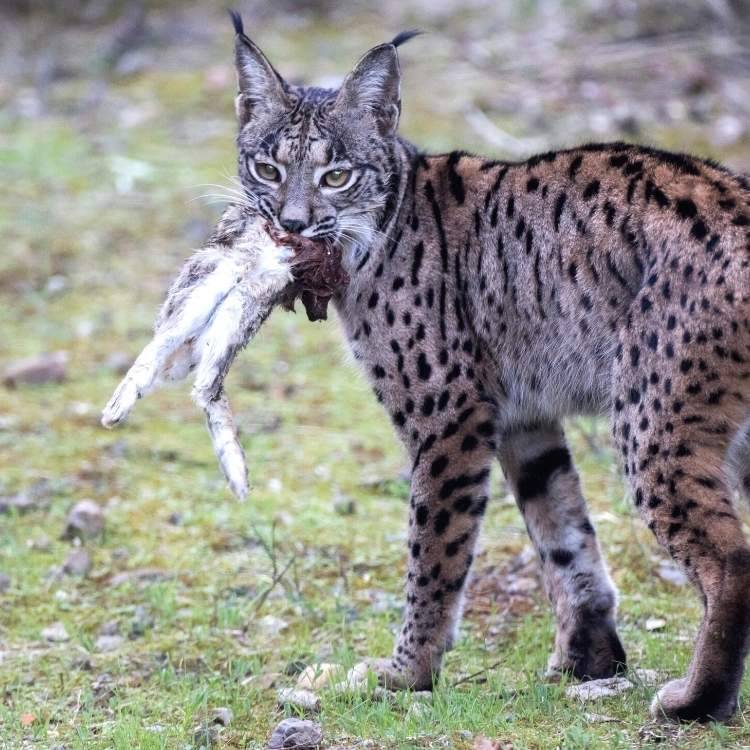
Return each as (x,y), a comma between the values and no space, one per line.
(116,126)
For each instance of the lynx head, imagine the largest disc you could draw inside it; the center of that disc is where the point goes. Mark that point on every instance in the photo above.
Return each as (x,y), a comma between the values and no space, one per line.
(319,162)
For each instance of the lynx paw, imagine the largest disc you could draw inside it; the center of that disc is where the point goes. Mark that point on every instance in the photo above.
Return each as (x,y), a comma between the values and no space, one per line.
(679,701)
(386,673)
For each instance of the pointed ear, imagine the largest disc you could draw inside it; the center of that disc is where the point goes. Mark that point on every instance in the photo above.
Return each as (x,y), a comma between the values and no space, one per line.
(259,84)
(375,87)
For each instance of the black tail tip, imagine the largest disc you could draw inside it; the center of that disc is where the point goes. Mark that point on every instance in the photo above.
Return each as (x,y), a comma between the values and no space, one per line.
(404,36)
(239,27)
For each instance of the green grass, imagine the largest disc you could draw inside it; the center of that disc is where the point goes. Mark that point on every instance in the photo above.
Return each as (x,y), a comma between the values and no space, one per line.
(313,435)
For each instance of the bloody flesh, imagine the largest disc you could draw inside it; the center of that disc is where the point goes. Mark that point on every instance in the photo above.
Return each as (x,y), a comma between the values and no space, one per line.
(317,272)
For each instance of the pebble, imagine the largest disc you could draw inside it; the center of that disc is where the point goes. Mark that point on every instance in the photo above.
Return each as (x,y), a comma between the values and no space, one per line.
(78,563)
(55,633)
(21,503)
(111,627)
(272,625)
(296,734)
(317,676)
(4,583)
(594,689)
(262,681)
(670,573)
(85,521)
(46,368)
(41,543)
(655,623)
(305,700)
(106,643)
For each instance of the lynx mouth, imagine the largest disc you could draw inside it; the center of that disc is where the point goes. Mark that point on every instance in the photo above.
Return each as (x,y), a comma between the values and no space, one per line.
(317,270)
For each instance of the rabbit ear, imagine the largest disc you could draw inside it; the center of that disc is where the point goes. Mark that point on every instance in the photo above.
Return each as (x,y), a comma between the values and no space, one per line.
(258,81)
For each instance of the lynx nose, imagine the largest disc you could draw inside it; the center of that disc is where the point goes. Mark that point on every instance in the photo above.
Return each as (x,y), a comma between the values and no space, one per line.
(295,226)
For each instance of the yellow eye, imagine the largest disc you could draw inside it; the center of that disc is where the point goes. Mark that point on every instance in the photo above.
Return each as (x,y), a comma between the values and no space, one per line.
(336,178)
(267,171)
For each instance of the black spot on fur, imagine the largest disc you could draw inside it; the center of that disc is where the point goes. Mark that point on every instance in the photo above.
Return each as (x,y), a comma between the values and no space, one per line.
(535,475)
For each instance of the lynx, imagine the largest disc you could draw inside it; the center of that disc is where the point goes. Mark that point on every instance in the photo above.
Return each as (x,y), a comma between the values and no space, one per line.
(488,301)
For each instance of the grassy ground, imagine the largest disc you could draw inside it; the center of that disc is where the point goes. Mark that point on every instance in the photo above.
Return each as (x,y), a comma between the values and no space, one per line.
(97,221)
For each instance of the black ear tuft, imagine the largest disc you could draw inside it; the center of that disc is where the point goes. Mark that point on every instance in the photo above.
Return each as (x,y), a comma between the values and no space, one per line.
(239,27)
(405,36)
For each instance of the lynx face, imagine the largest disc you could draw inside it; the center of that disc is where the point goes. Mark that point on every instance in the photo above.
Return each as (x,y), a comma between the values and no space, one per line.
(318,162)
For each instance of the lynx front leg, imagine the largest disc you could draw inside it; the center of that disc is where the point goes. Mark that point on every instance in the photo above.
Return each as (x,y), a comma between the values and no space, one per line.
(450,476)
(538,465)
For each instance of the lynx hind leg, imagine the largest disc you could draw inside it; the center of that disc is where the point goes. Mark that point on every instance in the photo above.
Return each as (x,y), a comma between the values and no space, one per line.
(674,419)
(539,467)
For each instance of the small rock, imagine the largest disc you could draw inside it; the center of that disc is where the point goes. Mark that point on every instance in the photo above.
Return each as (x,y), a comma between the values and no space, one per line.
(55,633)
(175,519)
(85,521)
(106,643)
(78,563)
(56,284)
(262,681)
(670,573)
(46,368)
(4,583)
(296,734)
(111,627)
(206,735)
(41,543)
(357,677)
(594,689)
(317,676)
(655,623)
(305,700)
(21,503)
(222,716)
(271,625)
(727,130)
(651,676)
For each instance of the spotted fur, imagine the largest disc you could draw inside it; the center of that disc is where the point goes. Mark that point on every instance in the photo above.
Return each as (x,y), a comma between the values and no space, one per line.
(488,301)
